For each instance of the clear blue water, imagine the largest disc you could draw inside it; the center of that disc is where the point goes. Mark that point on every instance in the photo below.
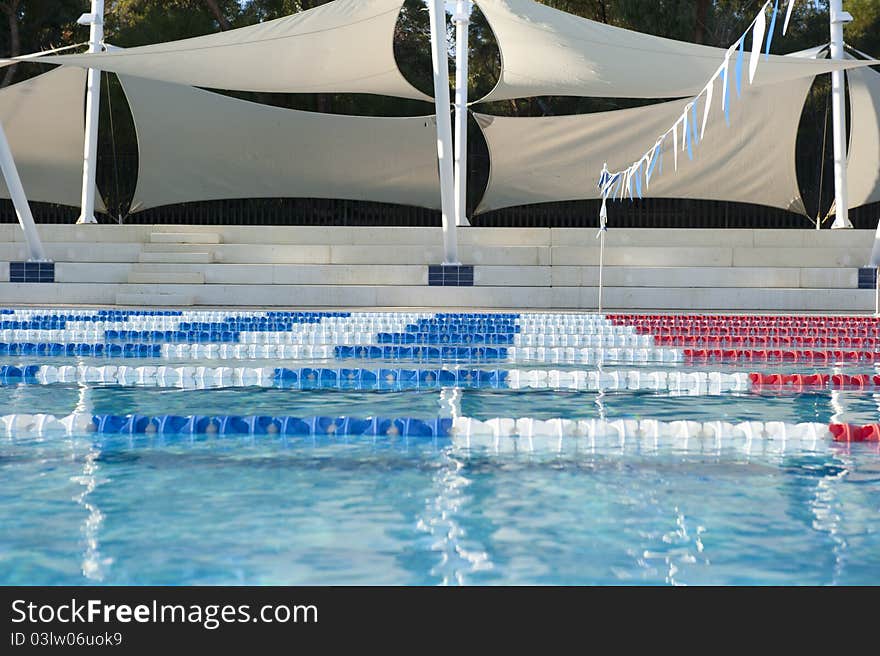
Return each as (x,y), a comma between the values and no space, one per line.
(270,510)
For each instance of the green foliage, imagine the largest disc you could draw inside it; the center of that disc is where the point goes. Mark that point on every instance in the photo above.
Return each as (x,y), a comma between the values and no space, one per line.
(139,22)
(864,31)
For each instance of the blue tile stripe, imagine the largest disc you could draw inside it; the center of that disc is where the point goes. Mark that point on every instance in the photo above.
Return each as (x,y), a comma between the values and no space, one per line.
(419,353)
(267,425)
(385,379)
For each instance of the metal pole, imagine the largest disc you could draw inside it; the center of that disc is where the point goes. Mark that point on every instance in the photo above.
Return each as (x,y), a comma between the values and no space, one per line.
(19,200)
(838,103)
(93,109)
(462,20)
(601,265)
(440,57)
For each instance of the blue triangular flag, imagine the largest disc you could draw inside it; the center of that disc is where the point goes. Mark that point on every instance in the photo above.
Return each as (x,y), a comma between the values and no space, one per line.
(772,28)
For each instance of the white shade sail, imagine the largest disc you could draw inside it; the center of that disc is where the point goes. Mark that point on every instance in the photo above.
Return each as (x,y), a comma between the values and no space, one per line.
(863,166)
(197,145)
(44,122)
(345,46)
(547,52)
(537,160)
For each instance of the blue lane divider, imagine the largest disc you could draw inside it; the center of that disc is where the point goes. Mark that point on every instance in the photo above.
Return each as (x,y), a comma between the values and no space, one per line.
(85,350)
(266,425)
(420,352)
(10,375)
(121,315)
(172,336)
(389,379)
(445,338)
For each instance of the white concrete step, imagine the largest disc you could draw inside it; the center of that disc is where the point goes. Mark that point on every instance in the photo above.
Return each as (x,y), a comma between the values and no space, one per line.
(178,248)
(177,258)
(169,300)
(167,278)
(185,238)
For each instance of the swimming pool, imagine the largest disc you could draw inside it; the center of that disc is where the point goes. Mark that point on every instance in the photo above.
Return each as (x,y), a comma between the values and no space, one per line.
(186,447)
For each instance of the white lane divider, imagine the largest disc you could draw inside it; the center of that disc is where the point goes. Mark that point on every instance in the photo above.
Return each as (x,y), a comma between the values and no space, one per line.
(532,435)
(695,382)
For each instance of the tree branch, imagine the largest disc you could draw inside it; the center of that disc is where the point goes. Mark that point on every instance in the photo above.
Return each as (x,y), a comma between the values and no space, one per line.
(214,8)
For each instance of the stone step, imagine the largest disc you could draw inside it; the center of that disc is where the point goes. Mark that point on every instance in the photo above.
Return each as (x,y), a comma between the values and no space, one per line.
(177,258)
(178,248)
(185,238)
(154,300)
(167,278)
(484,276)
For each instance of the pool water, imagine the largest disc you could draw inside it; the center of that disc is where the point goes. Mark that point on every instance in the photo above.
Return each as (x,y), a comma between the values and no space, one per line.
(211,509)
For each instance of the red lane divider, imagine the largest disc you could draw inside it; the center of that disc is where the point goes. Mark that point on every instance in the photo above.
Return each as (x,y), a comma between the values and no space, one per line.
(854,433)
(747,319)
(777,355)
(815,381)
(766,341)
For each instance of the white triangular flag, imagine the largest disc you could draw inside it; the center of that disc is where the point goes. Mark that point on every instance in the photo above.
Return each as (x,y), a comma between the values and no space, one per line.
(684,126)
(675,144)
(757,41)
(708,91)
(726,68)
(787,16)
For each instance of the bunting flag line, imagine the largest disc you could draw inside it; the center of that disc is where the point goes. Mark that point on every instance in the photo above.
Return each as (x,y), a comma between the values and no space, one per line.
(629,182)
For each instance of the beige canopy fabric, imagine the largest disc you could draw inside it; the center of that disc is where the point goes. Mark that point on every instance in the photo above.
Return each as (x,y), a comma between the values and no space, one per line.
(345,46)
(537,160)
(44,121)
(547,52)
(863,166)
(197,145)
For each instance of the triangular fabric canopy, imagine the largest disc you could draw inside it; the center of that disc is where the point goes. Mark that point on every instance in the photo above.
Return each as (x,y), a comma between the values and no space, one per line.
(863,165)
(345,46)
(44,122)
(538,160)
(547,52)
(197,145)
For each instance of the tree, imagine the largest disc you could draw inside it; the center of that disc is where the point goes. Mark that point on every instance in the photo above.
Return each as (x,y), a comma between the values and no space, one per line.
(10,8)
(140,22)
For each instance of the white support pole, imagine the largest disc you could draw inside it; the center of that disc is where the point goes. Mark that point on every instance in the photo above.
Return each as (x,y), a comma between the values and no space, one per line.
(462,20)
(440,57)
(838,104)
(19,200)
(93,109)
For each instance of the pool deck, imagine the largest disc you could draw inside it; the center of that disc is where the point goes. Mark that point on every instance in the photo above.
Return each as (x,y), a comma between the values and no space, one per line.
(513,268)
